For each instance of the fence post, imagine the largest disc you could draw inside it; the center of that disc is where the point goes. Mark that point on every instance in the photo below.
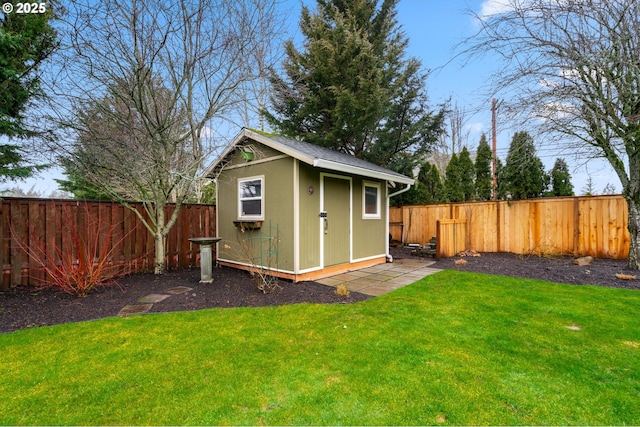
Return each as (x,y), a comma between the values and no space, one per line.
(576,226)
(438,241)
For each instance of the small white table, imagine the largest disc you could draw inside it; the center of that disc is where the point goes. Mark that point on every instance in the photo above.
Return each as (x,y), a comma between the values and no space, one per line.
(206,258)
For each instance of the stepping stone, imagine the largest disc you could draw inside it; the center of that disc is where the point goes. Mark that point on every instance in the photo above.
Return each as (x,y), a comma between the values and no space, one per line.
(153,298)
(135,309)
(178,290)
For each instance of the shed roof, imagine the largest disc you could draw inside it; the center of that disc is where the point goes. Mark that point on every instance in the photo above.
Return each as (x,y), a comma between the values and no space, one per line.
(314,155)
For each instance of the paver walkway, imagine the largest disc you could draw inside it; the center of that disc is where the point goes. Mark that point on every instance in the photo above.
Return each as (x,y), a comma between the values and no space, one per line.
(382,278)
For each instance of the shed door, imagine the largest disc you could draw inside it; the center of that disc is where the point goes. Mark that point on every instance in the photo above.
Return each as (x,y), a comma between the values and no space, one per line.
(336,226)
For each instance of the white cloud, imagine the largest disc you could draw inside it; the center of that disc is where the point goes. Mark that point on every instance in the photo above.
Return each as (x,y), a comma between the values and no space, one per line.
(475,128)
(494,7)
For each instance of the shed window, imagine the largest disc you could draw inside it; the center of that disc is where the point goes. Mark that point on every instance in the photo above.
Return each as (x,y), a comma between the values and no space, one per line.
(371,200)
(250,198)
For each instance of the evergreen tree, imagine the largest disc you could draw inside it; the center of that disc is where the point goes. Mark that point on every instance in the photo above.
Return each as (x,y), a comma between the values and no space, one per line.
(78,185)
(351,88)
(428,187)
(589,189)
(501,193)
(610,189)
(414,196)
(467,175)
(561,179)
(429,179)
(453,182)
(26,40)
(484,182)
(523,176)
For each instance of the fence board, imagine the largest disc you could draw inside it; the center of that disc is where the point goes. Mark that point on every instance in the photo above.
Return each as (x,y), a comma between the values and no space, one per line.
(452,237)
(108,226)
(595,226)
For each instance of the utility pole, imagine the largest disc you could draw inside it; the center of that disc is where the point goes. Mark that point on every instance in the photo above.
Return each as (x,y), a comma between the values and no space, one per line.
(494,162)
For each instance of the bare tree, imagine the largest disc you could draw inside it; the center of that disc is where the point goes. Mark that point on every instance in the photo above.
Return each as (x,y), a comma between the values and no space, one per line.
(146,79)
(574,67)
(453,139)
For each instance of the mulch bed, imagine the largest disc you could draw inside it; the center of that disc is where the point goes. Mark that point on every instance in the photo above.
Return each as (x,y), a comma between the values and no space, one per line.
(560,269)
(25,307)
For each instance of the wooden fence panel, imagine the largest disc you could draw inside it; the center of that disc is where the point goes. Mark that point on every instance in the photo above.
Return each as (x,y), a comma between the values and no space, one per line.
(420,221)
(46,224)
(595,226)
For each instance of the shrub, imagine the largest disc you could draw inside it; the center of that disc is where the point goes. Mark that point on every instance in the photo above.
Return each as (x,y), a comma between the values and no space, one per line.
(342,291)
(88,261)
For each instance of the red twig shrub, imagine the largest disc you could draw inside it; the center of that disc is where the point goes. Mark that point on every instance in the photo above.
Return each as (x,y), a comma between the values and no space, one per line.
(87,261)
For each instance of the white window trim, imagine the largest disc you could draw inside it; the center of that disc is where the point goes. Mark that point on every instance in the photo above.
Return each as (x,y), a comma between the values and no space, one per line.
(251,217)
(378,187)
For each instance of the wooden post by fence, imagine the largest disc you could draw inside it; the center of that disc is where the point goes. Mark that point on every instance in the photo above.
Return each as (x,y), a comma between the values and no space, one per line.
(451,237)
(46,223)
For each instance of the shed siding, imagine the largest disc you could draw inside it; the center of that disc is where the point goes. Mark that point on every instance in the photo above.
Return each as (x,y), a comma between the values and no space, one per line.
(278,211)
(309,217)
(260,152)
(368,234)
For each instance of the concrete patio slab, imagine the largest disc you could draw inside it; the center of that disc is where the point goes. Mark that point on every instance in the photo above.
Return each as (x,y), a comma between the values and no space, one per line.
(367,281)
(377,268)
(402,280)
(359,273)
(377,290)
(330,281)
(357,287)
(345,277)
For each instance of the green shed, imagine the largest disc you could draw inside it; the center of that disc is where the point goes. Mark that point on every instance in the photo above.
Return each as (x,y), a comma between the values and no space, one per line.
(299,210)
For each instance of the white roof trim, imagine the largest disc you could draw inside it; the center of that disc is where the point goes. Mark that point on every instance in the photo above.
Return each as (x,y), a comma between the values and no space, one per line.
(354,170)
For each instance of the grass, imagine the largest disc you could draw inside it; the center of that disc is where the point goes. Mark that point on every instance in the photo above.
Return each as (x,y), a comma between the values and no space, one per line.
(452,349)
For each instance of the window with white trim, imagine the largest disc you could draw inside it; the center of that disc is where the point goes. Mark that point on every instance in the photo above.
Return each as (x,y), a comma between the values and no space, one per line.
(251,198)
(371,200)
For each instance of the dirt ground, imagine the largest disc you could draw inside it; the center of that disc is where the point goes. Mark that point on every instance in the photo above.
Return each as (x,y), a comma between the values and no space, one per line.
(25,307)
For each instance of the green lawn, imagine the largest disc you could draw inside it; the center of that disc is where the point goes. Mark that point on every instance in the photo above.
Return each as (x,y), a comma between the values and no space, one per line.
(453,348)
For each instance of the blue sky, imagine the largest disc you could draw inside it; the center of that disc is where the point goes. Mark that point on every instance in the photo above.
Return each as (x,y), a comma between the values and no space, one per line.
(434,28)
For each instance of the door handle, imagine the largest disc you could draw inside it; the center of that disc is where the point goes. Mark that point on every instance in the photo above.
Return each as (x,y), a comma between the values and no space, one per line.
(324,216)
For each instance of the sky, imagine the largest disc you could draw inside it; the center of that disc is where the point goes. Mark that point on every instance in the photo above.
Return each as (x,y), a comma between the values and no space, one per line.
(434,28)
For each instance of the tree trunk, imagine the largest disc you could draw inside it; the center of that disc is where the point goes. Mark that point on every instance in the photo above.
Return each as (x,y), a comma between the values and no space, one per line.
(159,265)
(633,204)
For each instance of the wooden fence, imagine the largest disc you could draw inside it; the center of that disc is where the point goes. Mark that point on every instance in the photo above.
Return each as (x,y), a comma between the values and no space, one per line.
(579,226)
(49,223)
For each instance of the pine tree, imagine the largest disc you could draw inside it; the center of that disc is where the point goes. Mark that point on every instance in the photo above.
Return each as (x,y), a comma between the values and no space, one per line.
(523,176)
(452,182)
(429,180)
(350,88)
(484,156)
(561,179)
(78,185)
(26,40)
(589,189)
(610,189)
(415,195)
(467,175)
